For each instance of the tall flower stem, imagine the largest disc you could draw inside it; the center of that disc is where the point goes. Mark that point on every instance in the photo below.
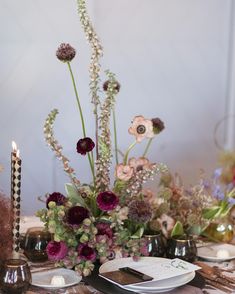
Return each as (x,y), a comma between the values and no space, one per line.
(115,135)
(82,119)
(147,147)
(128,151)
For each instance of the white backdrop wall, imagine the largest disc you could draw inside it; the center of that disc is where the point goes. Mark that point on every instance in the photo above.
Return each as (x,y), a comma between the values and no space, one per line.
(171,58)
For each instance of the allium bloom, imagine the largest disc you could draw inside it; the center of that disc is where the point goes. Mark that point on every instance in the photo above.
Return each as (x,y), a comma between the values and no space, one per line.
(124,172)
(141,128)
(65,52)
(85,145)
(104,229)
(158,125)
(56,250)
(76,215)
(139,163)
(85,252)
(139,211)
(166,224)
(106,84)
(107,200)
(56,197)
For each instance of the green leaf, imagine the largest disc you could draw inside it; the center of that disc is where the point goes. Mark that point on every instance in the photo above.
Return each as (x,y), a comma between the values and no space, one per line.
(138,234)
(178,229)
(74,195)
(210,213)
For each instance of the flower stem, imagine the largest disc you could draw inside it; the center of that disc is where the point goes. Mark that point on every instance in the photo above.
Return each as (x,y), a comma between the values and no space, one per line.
(147,147)
(115,135)
(82,119)
(128,151)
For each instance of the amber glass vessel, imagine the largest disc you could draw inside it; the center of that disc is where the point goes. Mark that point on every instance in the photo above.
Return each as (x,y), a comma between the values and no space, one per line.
(35,243)
(15,276)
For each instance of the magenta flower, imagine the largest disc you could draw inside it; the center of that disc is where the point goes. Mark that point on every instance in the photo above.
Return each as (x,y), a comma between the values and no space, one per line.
(107,200)
(56,250)
(76,215)
(85,252)
(56,197)
(104,229)
(65,52)
(85,145)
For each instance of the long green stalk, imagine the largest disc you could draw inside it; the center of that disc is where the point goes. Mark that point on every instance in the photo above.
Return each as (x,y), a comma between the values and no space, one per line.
(115,135)
(82,118)
(128,151)
(147,147)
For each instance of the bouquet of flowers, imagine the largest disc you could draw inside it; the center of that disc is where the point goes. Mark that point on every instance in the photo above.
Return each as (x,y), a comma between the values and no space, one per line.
(100,220)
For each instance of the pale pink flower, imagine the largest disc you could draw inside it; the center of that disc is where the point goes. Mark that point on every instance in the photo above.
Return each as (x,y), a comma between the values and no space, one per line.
(167,224)
(141,128)
(139,163)
(151,197)
(123,213)
(124,172)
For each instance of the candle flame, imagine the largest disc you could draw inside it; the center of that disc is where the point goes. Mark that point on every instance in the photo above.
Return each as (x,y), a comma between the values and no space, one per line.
(14,146)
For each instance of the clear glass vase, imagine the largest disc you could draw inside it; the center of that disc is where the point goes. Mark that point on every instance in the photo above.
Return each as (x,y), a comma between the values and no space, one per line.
(220,231)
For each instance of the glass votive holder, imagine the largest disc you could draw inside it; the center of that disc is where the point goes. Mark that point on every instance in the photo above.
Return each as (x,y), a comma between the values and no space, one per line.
(35,243)
(183,247)
(155,244)
(15,276)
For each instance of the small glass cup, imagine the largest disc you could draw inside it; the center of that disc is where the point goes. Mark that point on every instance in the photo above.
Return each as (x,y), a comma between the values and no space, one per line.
(35,243)
(15,276)
(183,247)
(156,245)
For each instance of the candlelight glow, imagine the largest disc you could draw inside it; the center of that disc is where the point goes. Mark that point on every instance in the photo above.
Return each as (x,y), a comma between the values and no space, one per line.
(14,146)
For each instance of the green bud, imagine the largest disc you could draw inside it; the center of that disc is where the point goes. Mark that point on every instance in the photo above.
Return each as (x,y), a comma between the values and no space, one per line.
(51,204)
(84,238)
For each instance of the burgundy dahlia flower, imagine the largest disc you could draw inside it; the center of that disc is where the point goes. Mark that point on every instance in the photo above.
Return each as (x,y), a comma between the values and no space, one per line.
(107,201)
(104,229)
(56,197)
(85,252)
(56,250)
(65,52)
(85,145)
(76,215)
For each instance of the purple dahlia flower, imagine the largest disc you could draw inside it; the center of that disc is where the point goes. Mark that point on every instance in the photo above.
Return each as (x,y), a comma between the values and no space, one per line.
(76,215)
(56,197)
(85,145)
(107,201)
(85,252)
(56,250)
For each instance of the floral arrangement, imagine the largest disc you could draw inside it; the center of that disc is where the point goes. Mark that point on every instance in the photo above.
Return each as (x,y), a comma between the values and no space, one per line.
(190,210)
(100,220)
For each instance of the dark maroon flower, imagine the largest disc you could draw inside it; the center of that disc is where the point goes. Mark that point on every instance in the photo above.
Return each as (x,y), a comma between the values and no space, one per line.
(76,215)
(158,125)
(104,229)
(56,250)
(106,85)
(57,197)
(85,145)
(65,52)
(107,201)
(85,252)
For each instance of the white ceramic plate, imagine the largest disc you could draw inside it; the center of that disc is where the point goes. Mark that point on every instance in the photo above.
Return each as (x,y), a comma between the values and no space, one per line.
(43,279)
(210,252)
(147,287)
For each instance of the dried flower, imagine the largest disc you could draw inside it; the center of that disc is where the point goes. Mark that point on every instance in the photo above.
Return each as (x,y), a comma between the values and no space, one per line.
(85,252)
(158,125)
(56,250)
(139,211)
(124,172)
(107,201)
(141,128)
(85,145)
(76,215)
(65,52)
(106,85)
(56,197)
